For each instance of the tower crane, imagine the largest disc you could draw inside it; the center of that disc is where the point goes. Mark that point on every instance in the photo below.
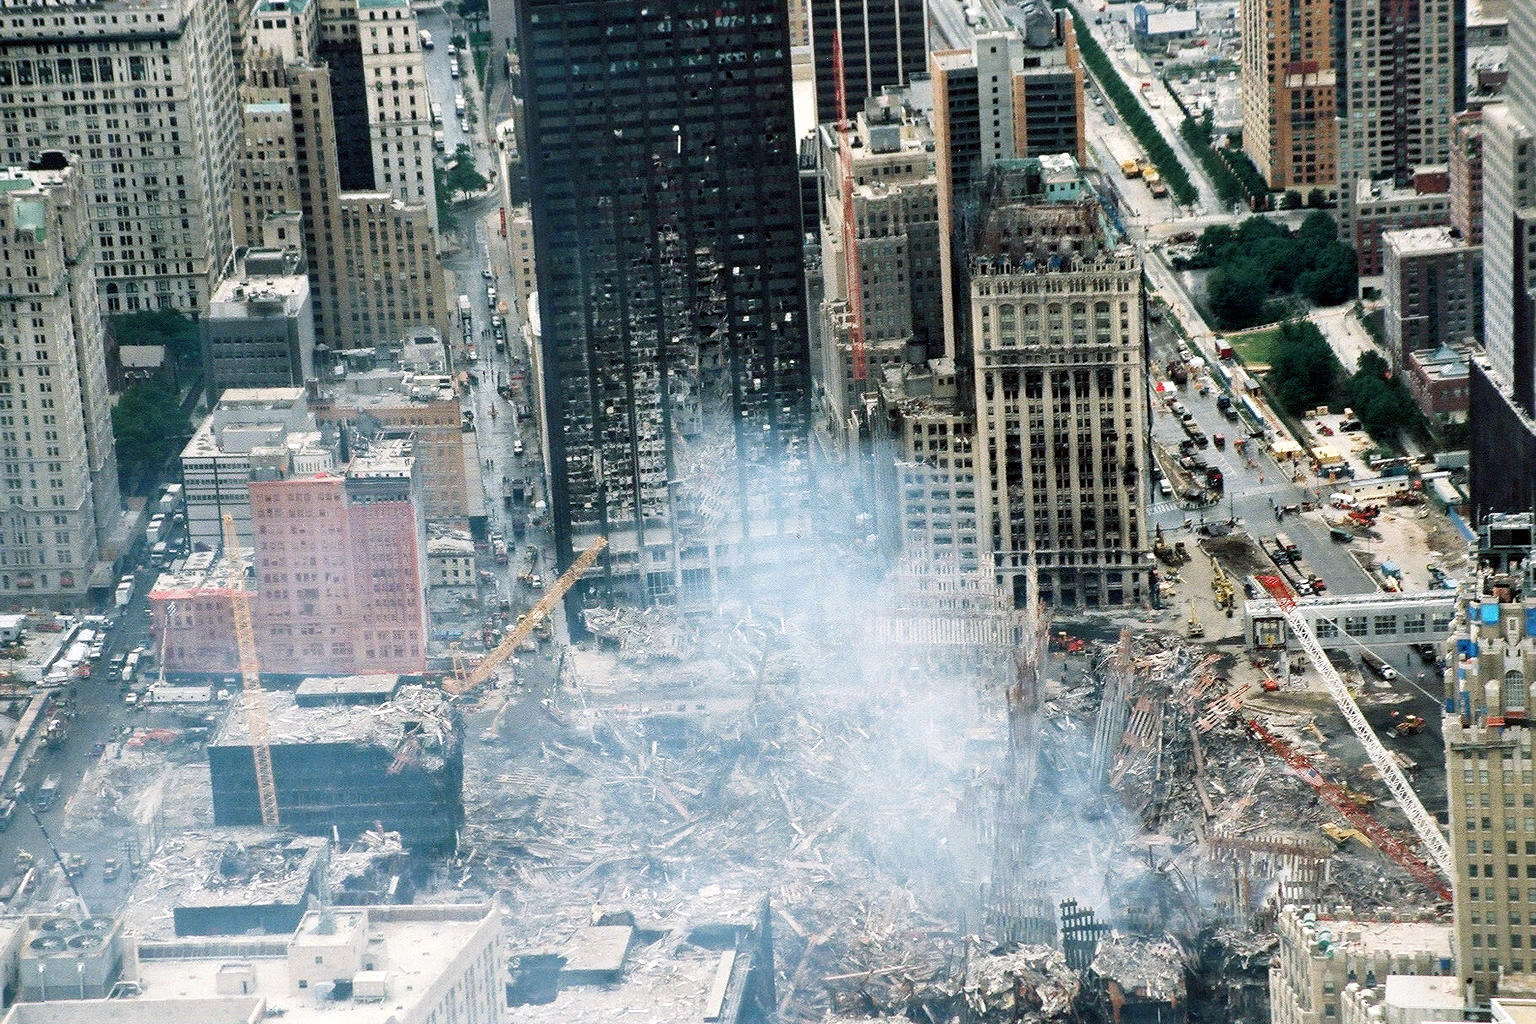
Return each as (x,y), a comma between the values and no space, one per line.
(854,277)
(1423,822)
(465,681)
(1356,815)
(250,676)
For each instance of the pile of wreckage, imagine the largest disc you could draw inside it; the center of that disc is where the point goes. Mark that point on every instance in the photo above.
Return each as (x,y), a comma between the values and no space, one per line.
(858,800)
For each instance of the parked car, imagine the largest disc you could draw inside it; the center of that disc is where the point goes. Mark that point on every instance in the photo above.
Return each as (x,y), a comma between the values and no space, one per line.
(1377,666)
(110,869)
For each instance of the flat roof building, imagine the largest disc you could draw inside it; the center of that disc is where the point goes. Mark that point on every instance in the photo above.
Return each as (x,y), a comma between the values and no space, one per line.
(260,328)
(335,767)
(366,965)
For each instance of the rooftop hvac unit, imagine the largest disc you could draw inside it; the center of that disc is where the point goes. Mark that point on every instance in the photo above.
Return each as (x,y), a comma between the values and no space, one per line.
(47,945)
(59,926)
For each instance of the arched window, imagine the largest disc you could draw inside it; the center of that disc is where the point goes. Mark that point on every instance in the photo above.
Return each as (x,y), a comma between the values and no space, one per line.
(1514,690)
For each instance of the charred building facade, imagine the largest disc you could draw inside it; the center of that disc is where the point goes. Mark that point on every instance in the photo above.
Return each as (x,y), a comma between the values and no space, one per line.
(674,351)
(349,768)
(1060,387)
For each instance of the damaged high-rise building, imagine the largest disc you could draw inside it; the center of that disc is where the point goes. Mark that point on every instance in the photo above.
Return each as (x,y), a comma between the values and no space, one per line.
(342,767)
(674,362)
(1027,448)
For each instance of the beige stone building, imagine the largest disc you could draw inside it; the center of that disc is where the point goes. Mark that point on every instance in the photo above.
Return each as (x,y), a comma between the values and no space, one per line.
(1288,90)
(374,272)
(1006,96)
(1491,782)
(145,95)
(1331,968)
(895,209)
(399,107)
(58,467)
(1060,388)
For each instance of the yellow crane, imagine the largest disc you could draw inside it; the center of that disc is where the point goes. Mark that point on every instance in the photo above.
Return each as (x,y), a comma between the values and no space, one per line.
(250,675)
(1221,583)
(462,682)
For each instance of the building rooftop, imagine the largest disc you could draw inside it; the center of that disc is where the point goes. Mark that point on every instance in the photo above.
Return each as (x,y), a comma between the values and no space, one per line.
(141,357)
(1425,992)
(210,1010)
(201,570)
(1420,241)
(1443,363)
(612,973)
(390,457)
(411,947)
(386,388)
(325,689)
(1405,937)
(450,546)
(1514,1011)
(383,725)
(223,867)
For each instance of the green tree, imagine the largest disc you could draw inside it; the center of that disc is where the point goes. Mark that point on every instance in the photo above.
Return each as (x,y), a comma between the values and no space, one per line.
(462,176)
(149,427)
(1303,371)
(1332,277)
(1317,229)
(168,327)
(1317,199)
(1379,399)
(1292,200)
(1236,293)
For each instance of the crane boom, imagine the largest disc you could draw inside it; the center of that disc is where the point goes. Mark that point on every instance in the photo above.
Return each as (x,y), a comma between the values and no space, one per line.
(250,677)
(463,683)
(1356,815)
(1386,765)
(854,276)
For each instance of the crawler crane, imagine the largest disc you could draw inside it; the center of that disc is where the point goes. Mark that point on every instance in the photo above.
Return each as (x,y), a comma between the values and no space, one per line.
(1424,824)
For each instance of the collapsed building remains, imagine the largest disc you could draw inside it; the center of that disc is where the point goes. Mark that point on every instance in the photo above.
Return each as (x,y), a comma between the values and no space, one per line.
(346,768)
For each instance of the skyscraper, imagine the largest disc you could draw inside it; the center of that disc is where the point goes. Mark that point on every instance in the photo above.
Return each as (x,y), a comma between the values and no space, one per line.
(1503,386)
(313,143)
(1288,88)
(885,42)
(1012,94)
(58,488)
(674,362)
(1058,443)
(1400,68)
(145,94)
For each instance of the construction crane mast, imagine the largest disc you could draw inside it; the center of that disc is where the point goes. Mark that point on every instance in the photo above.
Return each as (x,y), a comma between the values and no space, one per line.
(854,277)
(1356,815)
(1386,765)
(463,682)
(250,676)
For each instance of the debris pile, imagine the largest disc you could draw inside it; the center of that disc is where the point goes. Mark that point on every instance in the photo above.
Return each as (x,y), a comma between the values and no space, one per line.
(1032,984)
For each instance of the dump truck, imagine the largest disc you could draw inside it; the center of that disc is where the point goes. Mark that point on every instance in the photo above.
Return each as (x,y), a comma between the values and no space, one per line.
(1130,168)
(1155,183)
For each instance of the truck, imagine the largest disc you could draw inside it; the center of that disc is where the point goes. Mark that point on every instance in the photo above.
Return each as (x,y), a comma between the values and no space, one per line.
(1155,184)
(499,549)
(1130,168)
(1284,543)
(55,733)
(47,792)
(124,591)
(426,39)
(465,315)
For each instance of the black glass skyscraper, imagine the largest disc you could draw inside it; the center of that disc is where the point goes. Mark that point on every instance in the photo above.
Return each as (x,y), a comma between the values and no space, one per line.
(674,355)
(884,43)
